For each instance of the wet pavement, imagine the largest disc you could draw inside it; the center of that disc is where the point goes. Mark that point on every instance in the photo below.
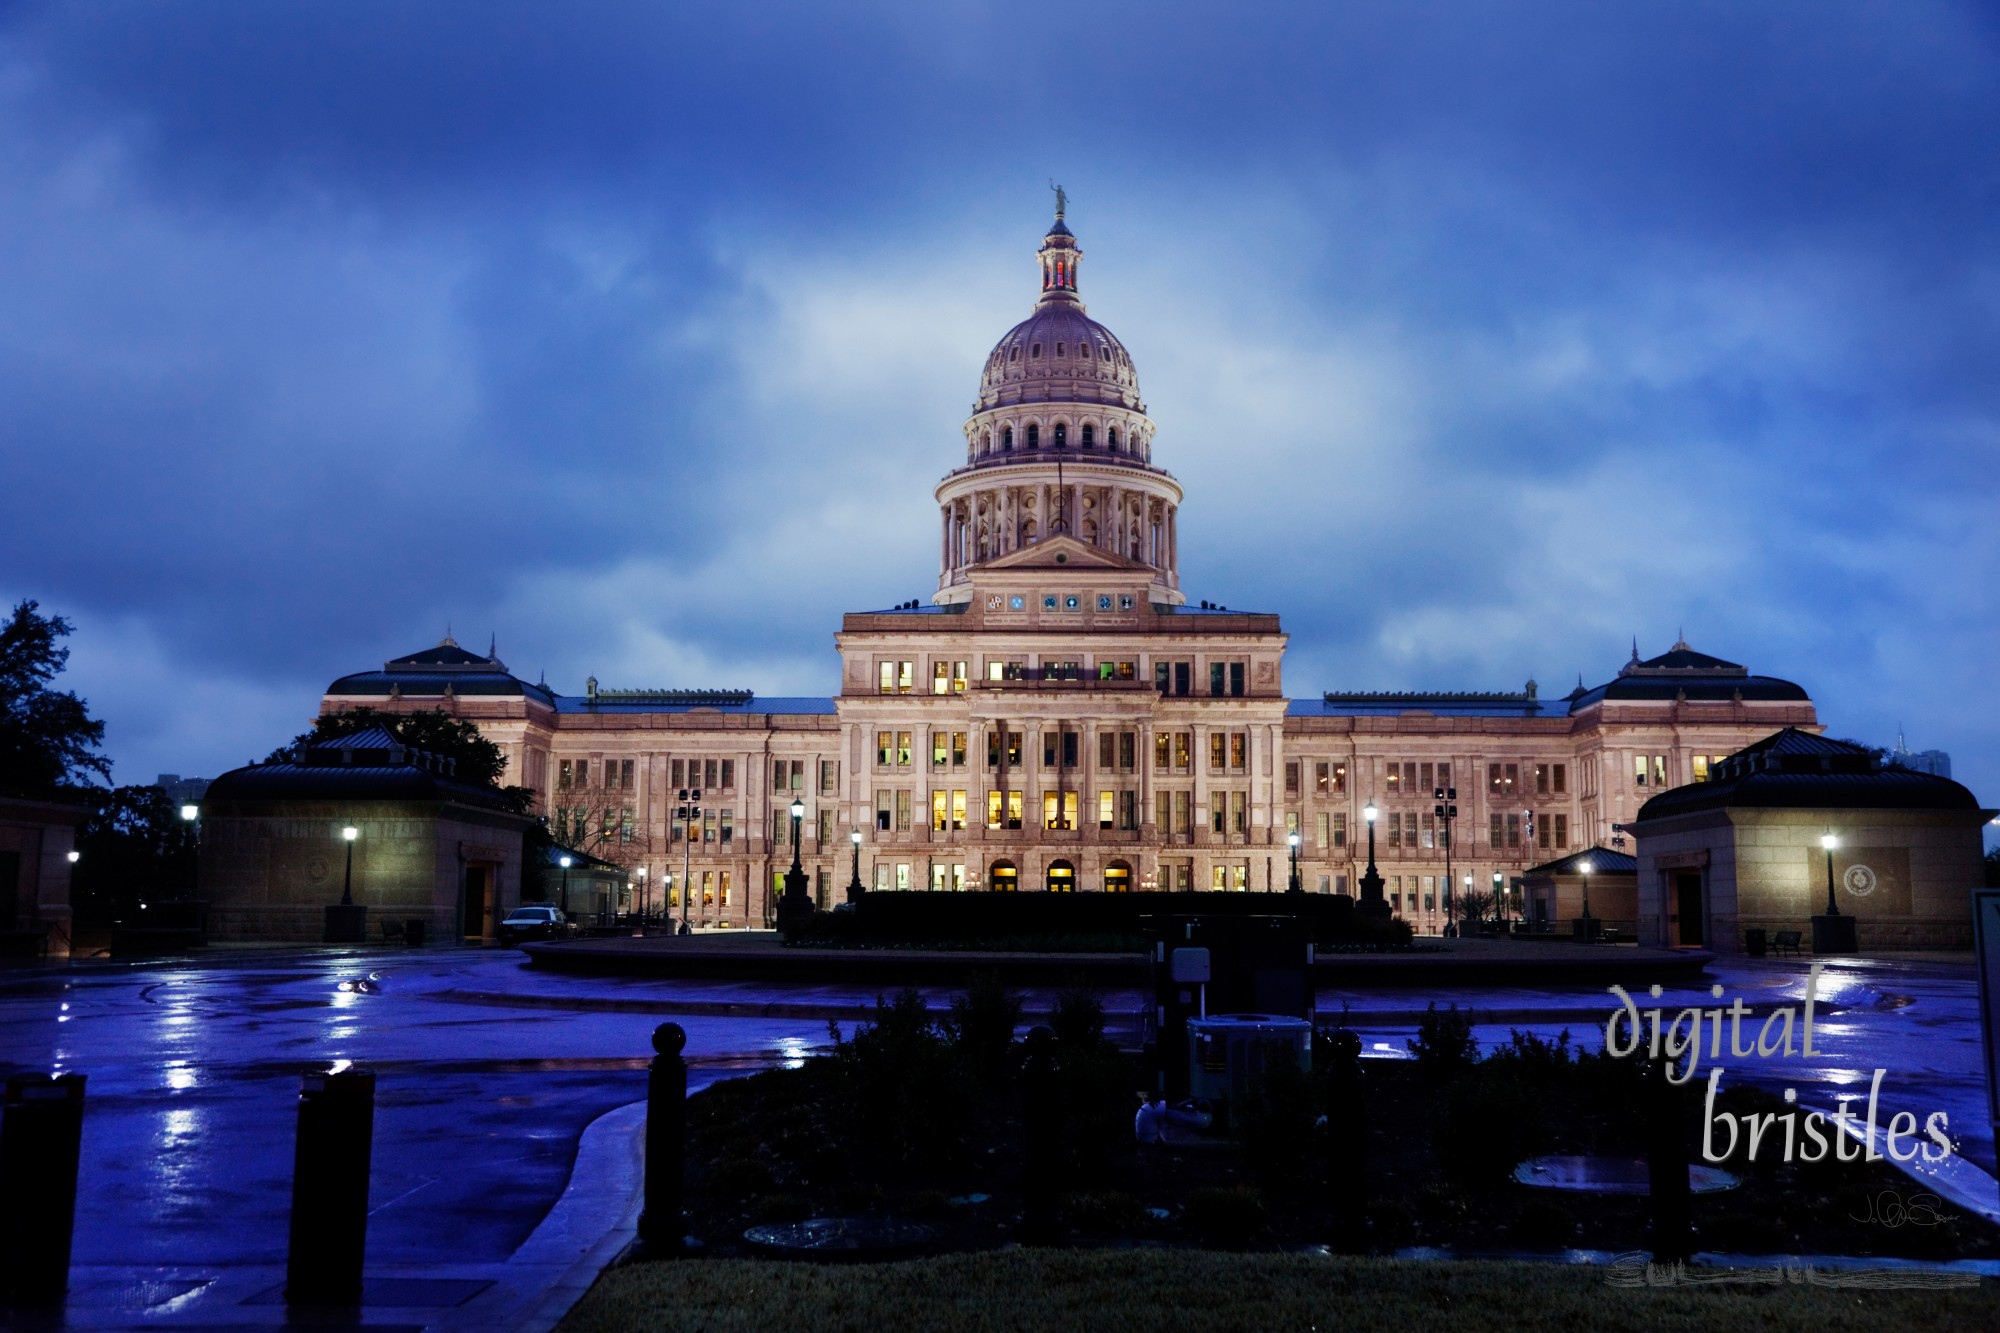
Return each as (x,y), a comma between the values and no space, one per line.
(507,1129)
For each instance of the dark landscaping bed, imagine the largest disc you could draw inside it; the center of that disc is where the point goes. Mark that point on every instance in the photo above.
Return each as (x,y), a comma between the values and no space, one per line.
(919,1119)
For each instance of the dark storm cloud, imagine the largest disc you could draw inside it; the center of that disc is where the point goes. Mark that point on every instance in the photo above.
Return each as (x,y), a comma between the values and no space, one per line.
(639,333)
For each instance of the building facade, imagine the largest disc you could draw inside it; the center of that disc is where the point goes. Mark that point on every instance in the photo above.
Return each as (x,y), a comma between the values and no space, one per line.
(1060,717)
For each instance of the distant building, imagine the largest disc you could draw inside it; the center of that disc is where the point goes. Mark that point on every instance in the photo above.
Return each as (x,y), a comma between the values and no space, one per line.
(428,847)
(1934,762)
(182,791)
(1743,849)
(37,839)
(1059,716)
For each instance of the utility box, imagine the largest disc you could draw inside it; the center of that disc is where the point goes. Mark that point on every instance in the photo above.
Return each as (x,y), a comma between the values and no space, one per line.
(1224,964)
(1228,1053)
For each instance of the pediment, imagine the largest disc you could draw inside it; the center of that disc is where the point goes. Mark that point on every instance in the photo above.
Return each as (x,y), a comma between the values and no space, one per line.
(1064,553)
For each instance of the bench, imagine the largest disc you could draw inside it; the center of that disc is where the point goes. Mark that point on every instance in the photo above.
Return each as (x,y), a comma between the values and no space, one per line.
(1786,941)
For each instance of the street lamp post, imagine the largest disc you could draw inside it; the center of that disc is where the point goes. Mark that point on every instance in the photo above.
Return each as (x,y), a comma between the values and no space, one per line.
(190,817)
(855,888)
(1372,903)
(1583,926)
(1499,900)
(1468,891)
(642,900)
(1833,931)
(348,835)
(795,905)
(1293,885)
(564,862)
(1446,810)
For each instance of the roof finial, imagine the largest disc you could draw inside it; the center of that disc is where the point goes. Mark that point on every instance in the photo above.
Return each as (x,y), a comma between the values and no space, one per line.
(1635,650)
(1681,641)
(1062,199)
(492,646)
(447,641)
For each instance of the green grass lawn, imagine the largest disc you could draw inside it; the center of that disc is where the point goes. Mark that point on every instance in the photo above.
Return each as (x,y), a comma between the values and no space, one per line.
(1166,1291)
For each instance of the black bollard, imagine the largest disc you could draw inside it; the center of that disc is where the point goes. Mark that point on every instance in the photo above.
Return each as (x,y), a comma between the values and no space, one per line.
(330,1188)
(1667,1166)
(1346,1146)
(661,1230)
(41,1135)
(1041,1139)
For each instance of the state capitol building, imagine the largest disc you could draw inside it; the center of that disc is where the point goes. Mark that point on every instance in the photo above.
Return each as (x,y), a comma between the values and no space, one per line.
(1059,717)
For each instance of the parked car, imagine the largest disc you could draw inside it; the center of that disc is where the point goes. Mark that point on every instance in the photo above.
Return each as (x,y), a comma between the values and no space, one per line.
(536,923)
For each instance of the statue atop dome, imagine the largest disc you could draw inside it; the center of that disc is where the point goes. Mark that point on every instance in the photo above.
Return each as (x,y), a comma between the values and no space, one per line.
(1062,200)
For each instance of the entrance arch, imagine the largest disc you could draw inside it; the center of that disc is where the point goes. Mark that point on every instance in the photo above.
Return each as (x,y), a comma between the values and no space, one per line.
(1061,877)
(1118,878)
(1004,877)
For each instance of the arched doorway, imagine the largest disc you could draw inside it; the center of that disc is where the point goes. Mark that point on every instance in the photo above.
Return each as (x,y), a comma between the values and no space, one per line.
(1062,877)
(1003,877)
(1118,878)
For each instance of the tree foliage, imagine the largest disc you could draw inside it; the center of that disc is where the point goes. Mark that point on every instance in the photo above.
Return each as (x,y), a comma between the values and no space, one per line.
(478,760)
(134,845)
(48,740)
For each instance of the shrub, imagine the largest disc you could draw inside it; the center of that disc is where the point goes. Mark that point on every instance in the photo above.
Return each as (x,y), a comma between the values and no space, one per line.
(1392,1224)
(738,1179)
(774,1209)
(1545,1224)
(982,1022)
(897,1063)
(1226,1217)
(1275,1125)
(1078,1019)
(1103,1212)
(1443,1045)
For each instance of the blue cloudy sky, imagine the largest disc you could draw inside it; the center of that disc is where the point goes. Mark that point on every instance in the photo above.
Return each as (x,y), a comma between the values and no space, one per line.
(1483,336)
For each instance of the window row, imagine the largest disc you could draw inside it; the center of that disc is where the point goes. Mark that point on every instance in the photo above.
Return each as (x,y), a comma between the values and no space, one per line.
(1329,776)
(591,826)
(572,774)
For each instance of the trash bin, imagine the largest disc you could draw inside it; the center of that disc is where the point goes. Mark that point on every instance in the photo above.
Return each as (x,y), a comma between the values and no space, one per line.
(413,931)
(1755,942)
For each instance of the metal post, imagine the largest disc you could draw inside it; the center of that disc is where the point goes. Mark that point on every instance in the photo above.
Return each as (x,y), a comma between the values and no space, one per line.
(1292,885)
(347,883)
(1041,1134)
(1667,1166)
(660,1222)
(41,1138)
(855,888)
(1346,1143)
(330,1188)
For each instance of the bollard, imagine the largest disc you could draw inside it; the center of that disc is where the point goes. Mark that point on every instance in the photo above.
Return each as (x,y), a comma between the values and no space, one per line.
(330,1188)
(41,1134)
(1667,1166)
(661,1230)
(1346,1146)
(1041,1135)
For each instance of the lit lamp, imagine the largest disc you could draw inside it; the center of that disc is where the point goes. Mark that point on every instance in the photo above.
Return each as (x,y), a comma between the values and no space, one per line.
(1372,903)
(348,835)
(190,813)
(346,920)
(642,899)
(1468,895)
(1834,931)
(855,888)
(1294,886)
(1499,899)
(564,862)
(1583,927)
(795,904)
(74,857)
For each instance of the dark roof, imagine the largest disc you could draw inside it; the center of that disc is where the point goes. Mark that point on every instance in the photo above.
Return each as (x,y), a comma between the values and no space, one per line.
(580,860)
(339,782)
(1796,769)
(1443,703)
(1603,861)
(445,668)
(652,701)
(1683,673)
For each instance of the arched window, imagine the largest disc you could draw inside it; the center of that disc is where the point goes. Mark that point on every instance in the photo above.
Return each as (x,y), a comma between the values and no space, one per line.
(986,443)
(1059,349)
(1111,438)
(1014,353)
(1034,437)
(1036,350)
(1062,434)
(1007,439)
(1088,431)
